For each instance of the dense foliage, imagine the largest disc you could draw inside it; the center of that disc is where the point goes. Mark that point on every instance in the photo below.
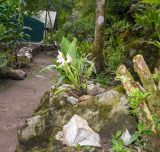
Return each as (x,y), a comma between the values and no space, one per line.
(11,25)
(11,30)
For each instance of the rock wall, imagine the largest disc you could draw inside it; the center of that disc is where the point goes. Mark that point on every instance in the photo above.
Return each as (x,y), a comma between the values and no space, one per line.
(105,113)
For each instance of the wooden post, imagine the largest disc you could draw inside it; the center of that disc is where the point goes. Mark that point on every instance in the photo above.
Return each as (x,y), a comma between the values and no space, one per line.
(45,25)
(130,86)
(147,81)
(52,26)
(158,71)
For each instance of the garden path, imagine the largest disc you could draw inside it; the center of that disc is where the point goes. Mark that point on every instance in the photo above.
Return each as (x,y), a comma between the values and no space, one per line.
(18,99)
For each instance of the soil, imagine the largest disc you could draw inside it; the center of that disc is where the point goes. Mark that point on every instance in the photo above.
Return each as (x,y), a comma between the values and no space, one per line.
(18,99)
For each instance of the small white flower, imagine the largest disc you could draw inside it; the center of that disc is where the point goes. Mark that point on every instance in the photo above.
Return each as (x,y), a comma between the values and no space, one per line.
(69,59)
(60,58)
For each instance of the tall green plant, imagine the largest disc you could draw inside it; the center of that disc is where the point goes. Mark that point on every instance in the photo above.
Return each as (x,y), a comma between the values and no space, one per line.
(115,52)
(73,67)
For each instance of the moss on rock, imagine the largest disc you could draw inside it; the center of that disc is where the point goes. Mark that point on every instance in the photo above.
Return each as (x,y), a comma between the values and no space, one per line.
(98,115)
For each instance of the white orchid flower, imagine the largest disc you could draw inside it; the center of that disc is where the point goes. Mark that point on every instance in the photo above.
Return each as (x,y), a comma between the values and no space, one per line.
(69,59)
(60,58)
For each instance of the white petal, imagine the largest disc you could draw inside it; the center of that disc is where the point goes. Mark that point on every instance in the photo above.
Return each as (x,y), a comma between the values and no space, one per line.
(69,59)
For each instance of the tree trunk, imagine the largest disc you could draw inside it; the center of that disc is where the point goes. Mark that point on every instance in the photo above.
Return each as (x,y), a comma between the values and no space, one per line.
(99,36)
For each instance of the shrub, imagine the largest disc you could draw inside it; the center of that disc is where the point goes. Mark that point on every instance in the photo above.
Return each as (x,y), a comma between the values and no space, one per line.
(114,53)
(85,48)
(11,26)
(118,144)
(116,34)
(147,17)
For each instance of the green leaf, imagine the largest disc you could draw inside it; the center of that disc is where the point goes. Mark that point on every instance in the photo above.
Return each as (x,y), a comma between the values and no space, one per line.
(147,132)
(64,45)
(140,127)
(135,137)
(60,80)
(118,134)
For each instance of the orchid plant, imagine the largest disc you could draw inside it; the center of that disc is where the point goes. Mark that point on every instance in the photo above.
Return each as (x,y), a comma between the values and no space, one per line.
(72,66)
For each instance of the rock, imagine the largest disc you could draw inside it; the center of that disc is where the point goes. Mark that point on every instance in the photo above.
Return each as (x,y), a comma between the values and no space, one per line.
(16,74)
(110,97)
(121,106)
(126,137)
(44,103)
(90,87)
(118,121)
(85,97)
(90,82)
(72,100)
(24,56)
(53,88)
(77,132)
(35,130)
(64,96)
(94,89)
(34,126)
(104,119)
(26,52)
(65,87)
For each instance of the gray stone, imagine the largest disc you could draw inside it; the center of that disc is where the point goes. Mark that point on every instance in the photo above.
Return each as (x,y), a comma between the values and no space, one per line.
(64,87)
(34,128)
(77,132)
(121,106)
(30,130)
(72,100)
(16,74)
(53,88)
(111,97)
(126,137)
(64,96)
(26,52)
(24,56)
(85,98)
(90,82)
(90,88)
(94,89)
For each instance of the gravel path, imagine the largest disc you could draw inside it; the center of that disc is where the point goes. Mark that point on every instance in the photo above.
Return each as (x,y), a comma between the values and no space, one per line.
(18,99)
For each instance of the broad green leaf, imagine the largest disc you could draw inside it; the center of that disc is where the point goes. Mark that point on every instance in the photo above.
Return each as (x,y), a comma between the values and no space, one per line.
(118,134)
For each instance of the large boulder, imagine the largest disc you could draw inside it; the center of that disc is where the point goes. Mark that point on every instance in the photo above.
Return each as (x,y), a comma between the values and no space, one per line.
(93,89)
(77,131)
(105,113)
(24,56)
(17,74)
(35,131)
(110,97)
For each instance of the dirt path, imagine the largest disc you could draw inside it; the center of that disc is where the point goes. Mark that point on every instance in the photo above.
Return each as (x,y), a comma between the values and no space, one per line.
(18,99)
